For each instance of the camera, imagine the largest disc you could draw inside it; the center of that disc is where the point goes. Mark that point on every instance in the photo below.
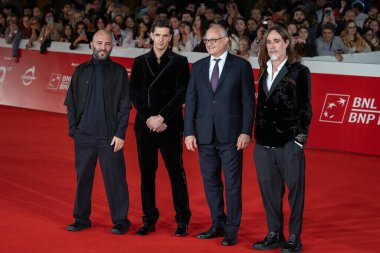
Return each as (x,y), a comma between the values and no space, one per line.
(327,12)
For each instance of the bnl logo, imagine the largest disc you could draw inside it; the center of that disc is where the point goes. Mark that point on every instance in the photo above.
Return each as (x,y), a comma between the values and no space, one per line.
(335,107)
(363,111)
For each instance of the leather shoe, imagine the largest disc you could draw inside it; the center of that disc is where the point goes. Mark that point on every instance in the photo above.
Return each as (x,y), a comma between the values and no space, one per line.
(181,229)
(272,240)
(78,226)
(229,240)
(211,233)
(120,229)
(293,245)
(146,228)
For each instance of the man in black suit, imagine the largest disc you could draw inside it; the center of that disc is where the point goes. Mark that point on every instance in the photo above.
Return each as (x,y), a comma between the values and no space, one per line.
(219,113)
(158,86)
(282,123)
(98,109)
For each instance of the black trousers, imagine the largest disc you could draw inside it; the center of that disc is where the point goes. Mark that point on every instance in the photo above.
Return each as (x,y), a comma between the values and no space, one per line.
(212,159)
(87,151)
(277,167)
(170,146)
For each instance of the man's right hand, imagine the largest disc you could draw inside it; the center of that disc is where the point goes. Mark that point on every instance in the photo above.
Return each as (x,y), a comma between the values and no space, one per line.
(191,143)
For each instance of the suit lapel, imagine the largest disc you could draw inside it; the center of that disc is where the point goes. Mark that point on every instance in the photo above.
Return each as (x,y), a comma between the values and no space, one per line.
(205,74)
(171,58)
(278,78)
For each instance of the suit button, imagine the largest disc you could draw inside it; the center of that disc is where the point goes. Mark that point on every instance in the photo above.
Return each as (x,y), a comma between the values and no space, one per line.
(275,108)
(265,107)
(274,122)
(214,101)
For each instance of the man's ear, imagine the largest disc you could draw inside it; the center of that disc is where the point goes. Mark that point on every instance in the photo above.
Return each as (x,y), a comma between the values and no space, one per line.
(91,44)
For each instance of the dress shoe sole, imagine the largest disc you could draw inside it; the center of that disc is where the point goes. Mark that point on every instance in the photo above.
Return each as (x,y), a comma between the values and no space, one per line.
(73,229)
(291,251)
(146,232)
(272,246)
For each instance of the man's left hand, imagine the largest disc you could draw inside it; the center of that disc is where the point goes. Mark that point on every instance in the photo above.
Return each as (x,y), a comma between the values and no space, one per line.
(243,141)
(119,143)
(154,122)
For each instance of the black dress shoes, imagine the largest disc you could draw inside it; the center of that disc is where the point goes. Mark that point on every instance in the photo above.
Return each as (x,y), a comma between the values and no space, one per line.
(146,228)
(181,229)
(272,240)
(78,226)
(229,240)
(293,245)
(211,233)
(120,229)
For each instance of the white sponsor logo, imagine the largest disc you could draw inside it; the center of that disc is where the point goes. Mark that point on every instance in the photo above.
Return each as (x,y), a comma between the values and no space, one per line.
(334,108)
(29,76)
(55,80)
(363,110)
(59,82)
(74,64)
(3,74)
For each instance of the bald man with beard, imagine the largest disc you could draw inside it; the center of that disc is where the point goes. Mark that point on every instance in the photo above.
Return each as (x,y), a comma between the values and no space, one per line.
(98,109)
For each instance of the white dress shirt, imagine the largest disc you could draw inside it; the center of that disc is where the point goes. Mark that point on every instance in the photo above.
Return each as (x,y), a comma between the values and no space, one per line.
(221,63)
(271,78)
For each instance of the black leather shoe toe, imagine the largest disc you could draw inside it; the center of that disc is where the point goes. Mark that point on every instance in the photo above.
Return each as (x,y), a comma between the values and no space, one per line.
(146,228)
(229,240)
(181,229)
(119,229)
(211,233)
(78,226)
(293,245)
(272,240)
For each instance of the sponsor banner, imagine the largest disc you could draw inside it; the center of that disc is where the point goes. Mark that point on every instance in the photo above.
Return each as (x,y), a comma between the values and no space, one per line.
(346,113)
(346,108)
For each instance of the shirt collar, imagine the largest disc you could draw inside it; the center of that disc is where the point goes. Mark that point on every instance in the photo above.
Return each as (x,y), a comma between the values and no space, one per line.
(269,65)
(222,57)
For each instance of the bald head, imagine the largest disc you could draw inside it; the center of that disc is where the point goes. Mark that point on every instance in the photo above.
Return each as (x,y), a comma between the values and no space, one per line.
(101,45)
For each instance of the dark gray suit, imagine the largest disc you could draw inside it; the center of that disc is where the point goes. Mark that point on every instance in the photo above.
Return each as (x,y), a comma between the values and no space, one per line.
(217,119)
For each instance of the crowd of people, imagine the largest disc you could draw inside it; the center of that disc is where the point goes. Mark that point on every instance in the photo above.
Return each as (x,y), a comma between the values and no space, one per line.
(317,27)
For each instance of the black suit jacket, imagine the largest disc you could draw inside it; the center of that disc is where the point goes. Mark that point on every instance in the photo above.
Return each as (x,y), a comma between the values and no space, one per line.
(229,111)
(159,90)
(284,111)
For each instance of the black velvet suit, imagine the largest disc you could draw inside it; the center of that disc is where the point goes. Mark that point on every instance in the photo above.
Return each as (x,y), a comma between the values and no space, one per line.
(159,89)
(283,116)
(217,119)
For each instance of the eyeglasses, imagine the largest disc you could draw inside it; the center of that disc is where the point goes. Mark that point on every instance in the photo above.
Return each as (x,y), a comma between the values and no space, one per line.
(212,41)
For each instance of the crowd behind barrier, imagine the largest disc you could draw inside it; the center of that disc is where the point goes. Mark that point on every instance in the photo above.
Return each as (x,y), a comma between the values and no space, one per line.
(318,28)
(345,96)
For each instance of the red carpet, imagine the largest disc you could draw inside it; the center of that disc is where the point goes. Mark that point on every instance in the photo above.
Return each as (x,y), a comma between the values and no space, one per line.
(37,187)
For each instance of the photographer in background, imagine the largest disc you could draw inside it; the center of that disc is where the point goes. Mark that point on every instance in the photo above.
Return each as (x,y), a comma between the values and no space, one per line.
(51,31)
(80,35)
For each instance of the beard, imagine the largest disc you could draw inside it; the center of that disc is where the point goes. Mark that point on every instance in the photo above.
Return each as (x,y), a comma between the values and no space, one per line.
(276,57)
(97,54)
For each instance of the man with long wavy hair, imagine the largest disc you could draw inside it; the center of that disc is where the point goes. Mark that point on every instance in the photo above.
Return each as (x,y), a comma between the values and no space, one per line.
(283,117)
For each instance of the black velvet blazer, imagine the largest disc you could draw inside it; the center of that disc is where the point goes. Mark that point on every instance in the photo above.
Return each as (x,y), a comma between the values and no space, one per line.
(159,89)
(284,112)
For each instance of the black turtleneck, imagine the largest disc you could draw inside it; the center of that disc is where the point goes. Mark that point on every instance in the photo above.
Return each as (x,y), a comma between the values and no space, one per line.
(93,121)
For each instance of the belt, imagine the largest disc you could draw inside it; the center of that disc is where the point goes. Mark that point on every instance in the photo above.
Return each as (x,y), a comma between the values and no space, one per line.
(269,147)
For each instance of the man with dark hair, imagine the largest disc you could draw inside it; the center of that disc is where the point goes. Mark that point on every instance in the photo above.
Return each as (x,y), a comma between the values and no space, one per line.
(328,44)
(283,117)
(158,86)
(98,108)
